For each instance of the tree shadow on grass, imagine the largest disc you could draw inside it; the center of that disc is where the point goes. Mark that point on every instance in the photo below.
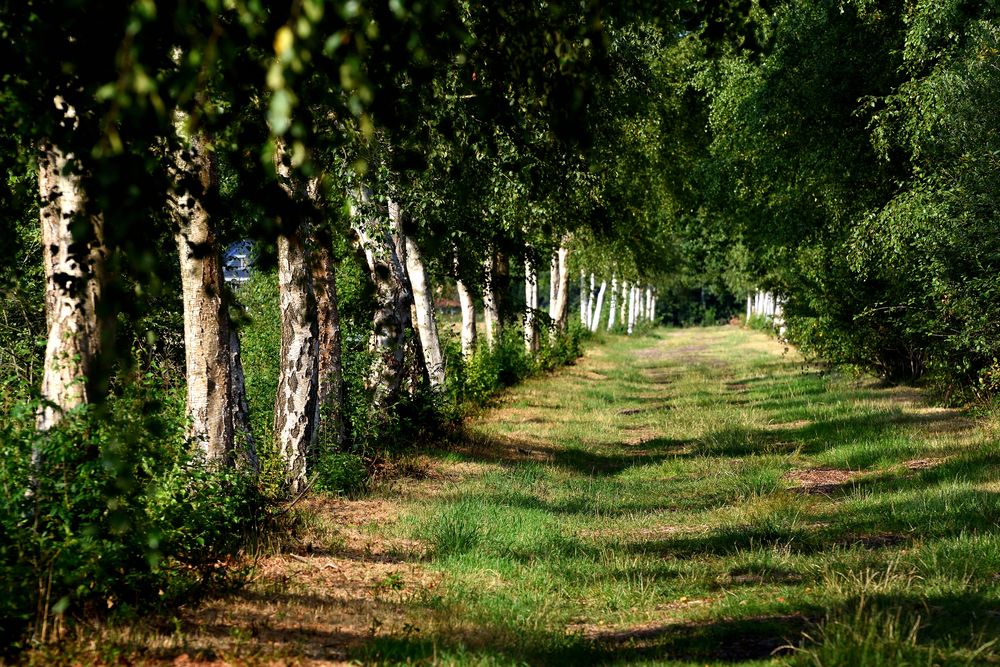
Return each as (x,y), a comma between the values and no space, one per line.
(820,436)
(730,641)
(605,460)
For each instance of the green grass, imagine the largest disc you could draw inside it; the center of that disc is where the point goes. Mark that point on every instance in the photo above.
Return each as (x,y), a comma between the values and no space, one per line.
(645,506)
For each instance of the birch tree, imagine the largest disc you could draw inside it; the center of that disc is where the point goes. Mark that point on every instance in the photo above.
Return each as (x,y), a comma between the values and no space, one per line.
(295,407)
(553,285)
(562,293)
(595,317)
(424,307)
(491,308)
(612,307)
(330,372)
(468,307)
(393,298)
(216,398)
(531,306)
(73,255)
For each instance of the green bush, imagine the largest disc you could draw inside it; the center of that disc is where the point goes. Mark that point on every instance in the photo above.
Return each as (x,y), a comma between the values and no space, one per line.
(116,515)
(489,369)
(342,473)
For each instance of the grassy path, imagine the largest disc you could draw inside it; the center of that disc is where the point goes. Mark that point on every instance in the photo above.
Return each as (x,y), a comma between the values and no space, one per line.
(696,496)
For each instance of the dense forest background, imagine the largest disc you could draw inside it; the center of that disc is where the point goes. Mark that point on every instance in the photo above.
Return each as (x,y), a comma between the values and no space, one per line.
(634,162)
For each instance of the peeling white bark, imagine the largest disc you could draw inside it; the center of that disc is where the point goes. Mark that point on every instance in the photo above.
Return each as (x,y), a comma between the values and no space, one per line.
(295,404)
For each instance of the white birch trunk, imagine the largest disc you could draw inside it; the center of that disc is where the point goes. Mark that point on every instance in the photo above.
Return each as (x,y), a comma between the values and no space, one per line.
(73,276)
(207,339)
(591,303)
(244,446)
(584,296)
(468,319)
(554,286)
(631,311)
(531,306)
(595,318)
(624,305)
(491,312)
(613,305)
(562,297)
(391,319)
(330,391)
(295,405)
(424,306)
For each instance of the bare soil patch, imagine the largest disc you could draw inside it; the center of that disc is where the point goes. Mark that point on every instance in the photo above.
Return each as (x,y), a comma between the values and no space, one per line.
(924,464)
(822,481)
(788,426)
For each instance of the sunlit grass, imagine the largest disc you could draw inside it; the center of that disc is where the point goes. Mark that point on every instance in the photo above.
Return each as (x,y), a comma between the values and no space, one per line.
(704,496)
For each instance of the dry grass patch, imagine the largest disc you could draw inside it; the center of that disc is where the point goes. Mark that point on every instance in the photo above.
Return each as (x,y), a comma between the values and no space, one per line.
(823,481)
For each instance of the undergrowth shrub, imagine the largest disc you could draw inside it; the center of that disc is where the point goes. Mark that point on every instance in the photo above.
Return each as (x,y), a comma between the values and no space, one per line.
(475,379)
(342,473)
(759,322)
(117,514)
